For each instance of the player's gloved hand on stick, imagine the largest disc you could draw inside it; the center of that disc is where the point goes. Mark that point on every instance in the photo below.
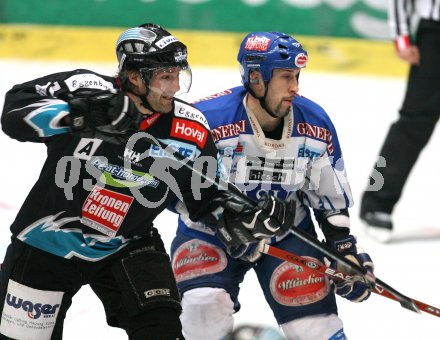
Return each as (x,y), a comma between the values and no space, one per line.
(244,224)
(250,252)
(358,288)
(111,114)
(336,228)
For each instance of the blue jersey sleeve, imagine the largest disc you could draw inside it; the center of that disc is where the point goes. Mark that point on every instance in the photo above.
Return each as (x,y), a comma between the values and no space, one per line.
(326,184)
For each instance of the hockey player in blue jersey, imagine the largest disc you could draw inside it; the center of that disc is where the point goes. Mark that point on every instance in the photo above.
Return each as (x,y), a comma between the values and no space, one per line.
(272,141)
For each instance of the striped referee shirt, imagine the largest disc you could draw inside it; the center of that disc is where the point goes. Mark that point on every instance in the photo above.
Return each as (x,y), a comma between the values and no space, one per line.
(400,13)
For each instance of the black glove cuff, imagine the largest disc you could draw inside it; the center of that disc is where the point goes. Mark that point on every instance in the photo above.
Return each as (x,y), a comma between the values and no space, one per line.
(332,232)
(229,234)
(78,114)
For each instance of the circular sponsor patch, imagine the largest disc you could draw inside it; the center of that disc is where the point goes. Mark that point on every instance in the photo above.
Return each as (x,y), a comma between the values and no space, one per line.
(301,60)
(196,258)
(293,285)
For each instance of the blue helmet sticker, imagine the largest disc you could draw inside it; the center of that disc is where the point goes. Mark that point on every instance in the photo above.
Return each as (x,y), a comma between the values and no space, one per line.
(265,51)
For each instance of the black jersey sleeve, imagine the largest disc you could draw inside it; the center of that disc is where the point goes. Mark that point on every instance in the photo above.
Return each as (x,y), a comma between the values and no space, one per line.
(200,191)
(200,196)
(35,109)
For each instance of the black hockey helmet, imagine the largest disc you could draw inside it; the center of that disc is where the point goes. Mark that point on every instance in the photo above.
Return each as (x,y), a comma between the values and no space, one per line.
(149,47)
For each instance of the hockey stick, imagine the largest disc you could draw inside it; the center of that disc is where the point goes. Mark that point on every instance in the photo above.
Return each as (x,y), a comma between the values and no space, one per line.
(301,234)
(337,275)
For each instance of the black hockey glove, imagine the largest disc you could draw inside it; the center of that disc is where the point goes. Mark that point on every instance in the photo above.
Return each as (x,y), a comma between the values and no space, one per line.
(111,116)
(242,224)
(250,252)
(338,238)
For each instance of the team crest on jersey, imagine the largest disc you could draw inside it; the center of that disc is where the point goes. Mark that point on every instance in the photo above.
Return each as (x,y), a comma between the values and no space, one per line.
(196,258)
(293,285)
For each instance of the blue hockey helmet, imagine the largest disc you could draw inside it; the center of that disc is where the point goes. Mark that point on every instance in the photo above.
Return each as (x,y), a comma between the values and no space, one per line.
(265,51)
(149,47)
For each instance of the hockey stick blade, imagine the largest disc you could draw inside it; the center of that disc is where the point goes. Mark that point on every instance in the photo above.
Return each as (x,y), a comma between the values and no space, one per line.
(381,288)
(301,234)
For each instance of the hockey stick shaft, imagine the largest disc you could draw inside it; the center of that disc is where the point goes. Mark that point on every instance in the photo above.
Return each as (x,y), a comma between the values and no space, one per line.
(337,275)
(403,300)
(301,234)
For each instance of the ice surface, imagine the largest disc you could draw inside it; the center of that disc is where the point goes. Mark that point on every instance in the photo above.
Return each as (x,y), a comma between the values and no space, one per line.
(362,109)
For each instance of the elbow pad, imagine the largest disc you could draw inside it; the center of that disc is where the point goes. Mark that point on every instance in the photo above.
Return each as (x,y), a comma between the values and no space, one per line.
(335,224)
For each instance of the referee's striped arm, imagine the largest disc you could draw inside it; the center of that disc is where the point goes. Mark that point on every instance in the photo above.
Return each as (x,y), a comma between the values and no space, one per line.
(400,13)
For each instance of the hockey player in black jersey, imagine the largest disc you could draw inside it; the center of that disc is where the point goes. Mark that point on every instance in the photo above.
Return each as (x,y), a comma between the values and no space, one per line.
(89,217)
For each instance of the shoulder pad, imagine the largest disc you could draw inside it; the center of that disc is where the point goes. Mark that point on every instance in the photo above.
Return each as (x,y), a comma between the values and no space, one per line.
(82,81)
(185,110)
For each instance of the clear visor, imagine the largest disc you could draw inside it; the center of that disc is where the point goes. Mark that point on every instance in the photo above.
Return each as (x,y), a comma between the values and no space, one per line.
(168,81)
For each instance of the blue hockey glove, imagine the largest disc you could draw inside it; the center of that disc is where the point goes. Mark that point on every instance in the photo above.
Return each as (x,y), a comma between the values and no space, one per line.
(358,288)
(335,225)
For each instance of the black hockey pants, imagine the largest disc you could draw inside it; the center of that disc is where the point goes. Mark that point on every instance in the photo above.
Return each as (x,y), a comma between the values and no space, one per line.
(136,287)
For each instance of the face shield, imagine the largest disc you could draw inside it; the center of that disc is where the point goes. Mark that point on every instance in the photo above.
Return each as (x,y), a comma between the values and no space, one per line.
(169,80)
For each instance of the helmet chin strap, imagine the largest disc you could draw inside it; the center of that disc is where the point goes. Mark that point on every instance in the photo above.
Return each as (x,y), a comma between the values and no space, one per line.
(143,98)
(146,104)
(262,100)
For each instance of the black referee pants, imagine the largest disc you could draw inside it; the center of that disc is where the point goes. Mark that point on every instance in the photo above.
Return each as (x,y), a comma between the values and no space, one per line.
(418,116)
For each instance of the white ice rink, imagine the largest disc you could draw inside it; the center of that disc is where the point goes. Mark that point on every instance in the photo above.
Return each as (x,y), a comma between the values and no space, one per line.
(362,109)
